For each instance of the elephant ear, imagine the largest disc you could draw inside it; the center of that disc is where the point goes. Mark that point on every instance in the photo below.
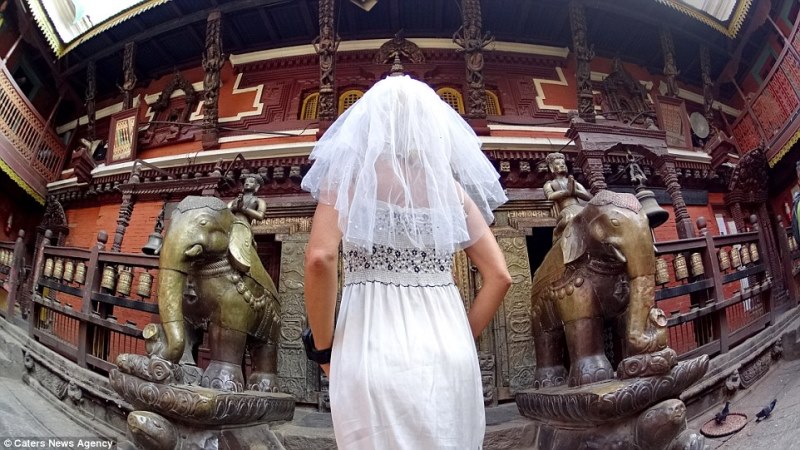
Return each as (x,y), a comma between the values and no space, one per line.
(573,242)
(240,251)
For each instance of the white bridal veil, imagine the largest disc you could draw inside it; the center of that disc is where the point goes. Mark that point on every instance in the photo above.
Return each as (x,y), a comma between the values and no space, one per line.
(397,165)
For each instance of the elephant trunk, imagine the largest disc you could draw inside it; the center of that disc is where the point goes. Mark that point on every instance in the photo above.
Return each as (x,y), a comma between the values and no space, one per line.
(644,329)
(171,284)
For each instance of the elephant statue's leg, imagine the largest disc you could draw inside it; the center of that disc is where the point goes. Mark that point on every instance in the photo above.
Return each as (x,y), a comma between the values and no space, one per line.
(264,357)
(548,341)
(583,325)
(225,370)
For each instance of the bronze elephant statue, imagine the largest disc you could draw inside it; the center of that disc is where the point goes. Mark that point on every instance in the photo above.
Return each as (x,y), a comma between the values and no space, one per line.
(241,309)
(601,269)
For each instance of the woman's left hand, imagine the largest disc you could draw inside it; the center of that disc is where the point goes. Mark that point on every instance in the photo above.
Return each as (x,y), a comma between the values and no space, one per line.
(326,368)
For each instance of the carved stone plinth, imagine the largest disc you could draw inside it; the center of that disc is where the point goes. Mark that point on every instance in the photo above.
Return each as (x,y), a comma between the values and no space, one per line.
(621,414)
(170,416)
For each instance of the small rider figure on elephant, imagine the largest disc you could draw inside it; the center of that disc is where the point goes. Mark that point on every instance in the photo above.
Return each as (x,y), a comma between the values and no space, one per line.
(564,191)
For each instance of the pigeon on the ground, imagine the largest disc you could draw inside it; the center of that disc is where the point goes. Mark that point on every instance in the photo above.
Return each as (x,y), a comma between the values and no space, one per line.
(766,411)
(722,415)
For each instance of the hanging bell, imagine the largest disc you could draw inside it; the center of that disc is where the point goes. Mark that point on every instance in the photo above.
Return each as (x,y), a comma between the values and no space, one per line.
(145,284)
(80,273)
(153,245)
(69,271)
(754,252)
(58,269)
(736,258)
(745,255)
(108,278)
(656,215)
(724,259)
(681,271)
(124,281)
(48,268)
(662,271)
(697,264)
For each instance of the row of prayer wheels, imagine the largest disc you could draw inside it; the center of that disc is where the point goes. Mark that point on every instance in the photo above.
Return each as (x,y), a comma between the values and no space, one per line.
(114,279)
(120,279)
(735,259)
(6,257)
(66,271)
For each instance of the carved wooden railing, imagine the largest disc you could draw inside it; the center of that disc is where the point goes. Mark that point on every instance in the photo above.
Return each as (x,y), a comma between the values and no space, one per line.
(28,132)
(77,315)
(770,113)
(715,305)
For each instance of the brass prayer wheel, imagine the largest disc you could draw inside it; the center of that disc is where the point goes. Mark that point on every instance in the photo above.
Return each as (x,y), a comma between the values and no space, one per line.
(736,258)
(58,269)
(145,284)
(697,264)
(754,252)
(69,271)
(745,255)
(681,271)
(4,260)
(724,259)
(662,271)
(108,279)
(792,243)
(80,273)
(124,281)
(48,267)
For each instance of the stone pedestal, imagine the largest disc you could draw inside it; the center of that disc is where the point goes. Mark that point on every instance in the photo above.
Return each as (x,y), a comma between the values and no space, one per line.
(635,413)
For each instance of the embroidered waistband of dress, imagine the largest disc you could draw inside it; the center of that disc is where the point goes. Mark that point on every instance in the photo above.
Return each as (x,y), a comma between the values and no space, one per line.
(411,279)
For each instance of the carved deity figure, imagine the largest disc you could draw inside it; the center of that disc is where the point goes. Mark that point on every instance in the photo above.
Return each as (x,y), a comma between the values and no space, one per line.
(246,207)
(564,191)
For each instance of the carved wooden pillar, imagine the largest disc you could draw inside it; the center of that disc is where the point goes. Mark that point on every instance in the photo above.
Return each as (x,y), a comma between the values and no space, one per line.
(325,45)
(125,211)
(591,163)
(212,63)
(472,43)
(738,217)
(90,93)
(708,84)
(773,248)
(129,74)
(666,168)
(670,70)
(583,60)
(296,375)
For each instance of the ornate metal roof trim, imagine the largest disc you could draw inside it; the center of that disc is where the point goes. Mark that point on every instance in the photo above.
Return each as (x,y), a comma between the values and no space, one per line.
(729,28)
(20,182)
(61,48)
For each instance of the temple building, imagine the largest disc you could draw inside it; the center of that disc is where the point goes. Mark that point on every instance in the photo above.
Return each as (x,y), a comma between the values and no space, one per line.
(111,113)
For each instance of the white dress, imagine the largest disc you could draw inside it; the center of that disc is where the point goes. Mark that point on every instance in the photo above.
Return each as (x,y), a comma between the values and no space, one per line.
(404,368)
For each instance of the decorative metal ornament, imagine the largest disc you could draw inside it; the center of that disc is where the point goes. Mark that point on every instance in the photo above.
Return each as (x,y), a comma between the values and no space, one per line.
(662,271)
(754,252)
(681,270)
(745,255)
(124,281)
(736,258)
(724,259)
(697,264)
(69,271)
(80,273)
(48,268)
(58,269)
(108,279)
(145,284)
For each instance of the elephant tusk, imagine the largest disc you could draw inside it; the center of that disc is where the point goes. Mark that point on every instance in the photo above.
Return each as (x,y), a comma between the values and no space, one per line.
(618,254)
(194,251)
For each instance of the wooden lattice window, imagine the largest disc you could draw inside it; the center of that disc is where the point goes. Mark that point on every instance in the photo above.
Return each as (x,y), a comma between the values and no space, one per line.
(492,104)
(347,99)
(453,98)
(310,110)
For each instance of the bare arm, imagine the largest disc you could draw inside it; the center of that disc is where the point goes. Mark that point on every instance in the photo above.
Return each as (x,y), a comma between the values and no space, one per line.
(321,266)
(255,214)
(489,259)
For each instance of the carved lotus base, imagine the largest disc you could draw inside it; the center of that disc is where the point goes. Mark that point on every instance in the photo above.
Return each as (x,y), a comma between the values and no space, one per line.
(607,401)
(634,413)
(195,405)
